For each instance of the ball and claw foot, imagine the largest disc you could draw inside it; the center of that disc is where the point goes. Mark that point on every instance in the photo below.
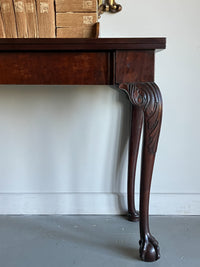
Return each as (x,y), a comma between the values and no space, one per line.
(149,249)
(133,216)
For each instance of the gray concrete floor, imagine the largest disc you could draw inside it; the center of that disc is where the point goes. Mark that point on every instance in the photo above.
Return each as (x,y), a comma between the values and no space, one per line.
(55,241)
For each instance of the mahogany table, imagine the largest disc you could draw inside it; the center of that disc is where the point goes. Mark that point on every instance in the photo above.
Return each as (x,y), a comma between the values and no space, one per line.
(127,63)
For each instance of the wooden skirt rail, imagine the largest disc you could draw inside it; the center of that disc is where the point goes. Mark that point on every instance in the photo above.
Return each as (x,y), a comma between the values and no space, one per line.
(127,63)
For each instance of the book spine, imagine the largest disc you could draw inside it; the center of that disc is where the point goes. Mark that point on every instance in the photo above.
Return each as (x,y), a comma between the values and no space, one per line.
(76,32)
(21,21)
(73,19)
(46,18)
(8,18)
(31,17)
(2,31)
(76,5)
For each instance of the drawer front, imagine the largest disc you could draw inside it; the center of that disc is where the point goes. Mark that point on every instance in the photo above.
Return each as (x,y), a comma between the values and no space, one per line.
(134,66)
(54,68)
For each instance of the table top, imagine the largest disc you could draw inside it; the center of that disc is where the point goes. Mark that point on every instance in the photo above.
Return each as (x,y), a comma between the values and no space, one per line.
(68,44)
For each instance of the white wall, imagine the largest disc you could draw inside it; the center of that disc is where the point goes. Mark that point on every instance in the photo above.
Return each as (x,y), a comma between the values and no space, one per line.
(63,149)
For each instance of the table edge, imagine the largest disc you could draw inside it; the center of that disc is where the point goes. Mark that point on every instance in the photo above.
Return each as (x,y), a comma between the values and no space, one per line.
(68,44)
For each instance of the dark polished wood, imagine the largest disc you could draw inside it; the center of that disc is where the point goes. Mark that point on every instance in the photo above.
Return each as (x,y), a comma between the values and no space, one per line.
(54,67)
(136,128)
(147,98)
(139,66)
(127,63)
(62,44)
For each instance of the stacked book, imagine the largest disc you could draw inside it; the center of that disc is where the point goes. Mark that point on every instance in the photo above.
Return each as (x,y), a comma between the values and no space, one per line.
(48,18)
(76,18)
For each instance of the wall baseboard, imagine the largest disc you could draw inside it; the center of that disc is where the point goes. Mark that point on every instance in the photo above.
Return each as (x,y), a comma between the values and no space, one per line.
(94,203)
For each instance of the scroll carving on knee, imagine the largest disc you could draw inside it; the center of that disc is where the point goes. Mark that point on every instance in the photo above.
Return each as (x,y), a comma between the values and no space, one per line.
(147,96)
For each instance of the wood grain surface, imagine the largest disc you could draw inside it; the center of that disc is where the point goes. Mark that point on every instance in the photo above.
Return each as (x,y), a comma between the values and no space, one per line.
(54,68)
(139,66)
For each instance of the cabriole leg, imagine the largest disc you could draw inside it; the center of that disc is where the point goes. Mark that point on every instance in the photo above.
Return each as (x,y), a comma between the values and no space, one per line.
(136,127)
(147,97)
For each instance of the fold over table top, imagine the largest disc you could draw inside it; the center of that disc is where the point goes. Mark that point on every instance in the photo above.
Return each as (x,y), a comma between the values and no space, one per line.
(64,44)
(78,61)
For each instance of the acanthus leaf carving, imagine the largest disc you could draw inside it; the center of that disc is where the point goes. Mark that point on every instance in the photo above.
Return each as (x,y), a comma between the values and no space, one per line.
(147,96)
